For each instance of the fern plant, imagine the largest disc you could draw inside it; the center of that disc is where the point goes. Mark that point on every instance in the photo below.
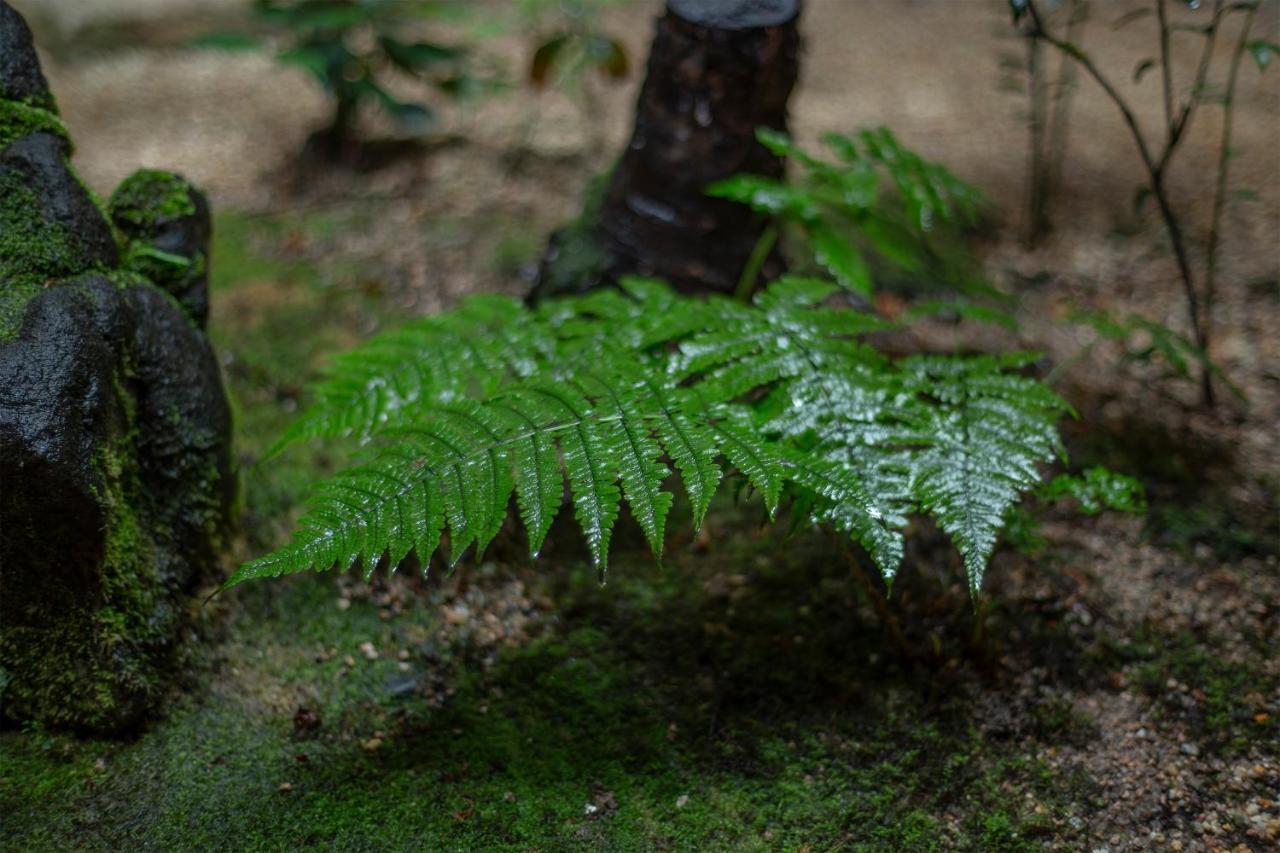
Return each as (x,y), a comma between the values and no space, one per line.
(613,390)
(877,198)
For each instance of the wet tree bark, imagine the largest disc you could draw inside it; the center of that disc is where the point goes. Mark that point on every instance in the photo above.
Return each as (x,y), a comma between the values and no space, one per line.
(717,70)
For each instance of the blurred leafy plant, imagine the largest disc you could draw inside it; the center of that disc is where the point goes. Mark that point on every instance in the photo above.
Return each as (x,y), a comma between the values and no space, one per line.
(1157,154)
(571,47)
(1092,491)
(1143,340)
(614,389)
(1095,490)
(351,47)
(575,45)
(876,197)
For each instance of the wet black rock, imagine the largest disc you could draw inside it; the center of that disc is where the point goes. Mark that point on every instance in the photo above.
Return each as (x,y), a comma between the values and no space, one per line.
(115,475)
(20,76)
(39,163)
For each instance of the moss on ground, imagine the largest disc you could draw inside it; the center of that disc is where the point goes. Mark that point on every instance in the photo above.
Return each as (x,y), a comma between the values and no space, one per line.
(275,321)
(583,739)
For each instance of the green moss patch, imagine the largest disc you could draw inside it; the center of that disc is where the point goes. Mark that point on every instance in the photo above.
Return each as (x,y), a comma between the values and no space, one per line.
(149,197)
(571,742)
(32,251)
(18,120)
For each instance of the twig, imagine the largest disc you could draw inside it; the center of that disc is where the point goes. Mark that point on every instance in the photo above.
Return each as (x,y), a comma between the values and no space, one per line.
(1224,164)
(1036,189)
(1179,126)
(1166,72)
(1064,92)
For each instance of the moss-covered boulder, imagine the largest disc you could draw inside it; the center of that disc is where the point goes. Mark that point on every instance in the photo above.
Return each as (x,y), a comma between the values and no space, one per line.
(115,472)
(163,219)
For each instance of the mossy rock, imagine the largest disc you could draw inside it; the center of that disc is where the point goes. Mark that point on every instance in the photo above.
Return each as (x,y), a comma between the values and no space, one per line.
(114,426)
(165,223)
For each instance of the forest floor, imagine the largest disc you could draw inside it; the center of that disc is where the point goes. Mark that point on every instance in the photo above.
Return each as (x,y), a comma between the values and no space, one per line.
(1117,686)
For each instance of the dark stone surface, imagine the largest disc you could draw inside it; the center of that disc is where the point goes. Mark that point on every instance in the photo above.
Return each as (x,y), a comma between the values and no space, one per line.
(57,406)
(20,75)
(116,483)
(40,163)
(183,426)
(712,79)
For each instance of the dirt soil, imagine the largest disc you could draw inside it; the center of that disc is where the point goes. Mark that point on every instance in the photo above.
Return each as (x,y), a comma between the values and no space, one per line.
(1126,674)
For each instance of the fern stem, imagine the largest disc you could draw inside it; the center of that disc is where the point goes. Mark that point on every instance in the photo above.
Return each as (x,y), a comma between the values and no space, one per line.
(1220,190)
(755,262)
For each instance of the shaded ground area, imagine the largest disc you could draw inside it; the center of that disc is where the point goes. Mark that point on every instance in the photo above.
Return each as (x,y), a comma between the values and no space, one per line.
(1118,686)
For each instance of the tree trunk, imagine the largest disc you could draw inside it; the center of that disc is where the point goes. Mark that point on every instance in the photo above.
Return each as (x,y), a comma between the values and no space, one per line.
(718,69)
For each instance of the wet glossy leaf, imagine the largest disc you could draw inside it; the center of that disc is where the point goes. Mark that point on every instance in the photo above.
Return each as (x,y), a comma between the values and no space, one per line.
(840,257)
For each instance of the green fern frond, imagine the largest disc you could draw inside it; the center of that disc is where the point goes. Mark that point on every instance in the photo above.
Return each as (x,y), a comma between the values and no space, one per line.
(956,438)
(785,334)
(435,359)
(613,392)
(849,506)
(981,445)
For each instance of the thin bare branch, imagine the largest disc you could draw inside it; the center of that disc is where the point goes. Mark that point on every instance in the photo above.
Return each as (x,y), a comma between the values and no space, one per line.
(1224,165)
(1166,71)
